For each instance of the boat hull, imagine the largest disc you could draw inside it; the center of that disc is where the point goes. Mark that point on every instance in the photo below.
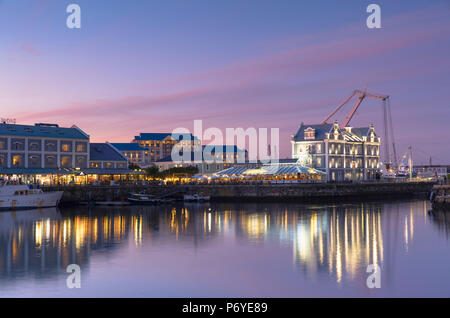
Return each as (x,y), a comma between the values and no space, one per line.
(31,201)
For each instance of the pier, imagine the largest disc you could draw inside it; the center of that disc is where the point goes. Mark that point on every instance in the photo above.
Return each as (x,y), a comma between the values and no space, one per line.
(251,192)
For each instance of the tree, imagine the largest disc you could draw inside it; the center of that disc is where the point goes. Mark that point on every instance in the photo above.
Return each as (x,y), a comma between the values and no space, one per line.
(152,172)
(133,166)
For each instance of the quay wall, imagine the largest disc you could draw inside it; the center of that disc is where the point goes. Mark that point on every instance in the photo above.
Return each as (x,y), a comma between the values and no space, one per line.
(251,192)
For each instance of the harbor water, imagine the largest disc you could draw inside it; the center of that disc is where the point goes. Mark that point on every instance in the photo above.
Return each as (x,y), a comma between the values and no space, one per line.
(227,250)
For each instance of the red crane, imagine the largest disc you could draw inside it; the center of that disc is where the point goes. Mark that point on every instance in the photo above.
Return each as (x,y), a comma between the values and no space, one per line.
(362,94)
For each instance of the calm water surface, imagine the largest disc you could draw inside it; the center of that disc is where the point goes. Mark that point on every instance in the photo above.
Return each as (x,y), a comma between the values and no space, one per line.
(227,250)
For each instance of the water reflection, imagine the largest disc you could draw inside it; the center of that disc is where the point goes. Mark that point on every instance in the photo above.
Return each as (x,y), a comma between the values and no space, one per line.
(338,240)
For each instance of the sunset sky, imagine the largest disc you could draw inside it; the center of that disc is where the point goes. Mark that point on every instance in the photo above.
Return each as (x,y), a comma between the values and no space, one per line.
(152,66)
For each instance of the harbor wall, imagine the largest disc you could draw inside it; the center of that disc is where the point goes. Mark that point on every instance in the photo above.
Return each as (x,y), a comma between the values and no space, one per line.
(251,192)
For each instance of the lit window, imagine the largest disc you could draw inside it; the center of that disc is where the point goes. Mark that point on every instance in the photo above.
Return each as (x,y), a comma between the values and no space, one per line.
(65,147)
(17,161)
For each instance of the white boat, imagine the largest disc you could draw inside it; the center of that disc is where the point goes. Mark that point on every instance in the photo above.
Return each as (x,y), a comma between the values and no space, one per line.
(139,198)
(16,197)
(196,197)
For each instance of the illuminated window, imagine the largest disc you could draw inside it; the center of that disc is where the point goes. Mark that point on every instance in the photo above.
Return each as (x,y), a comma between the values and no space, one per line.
(17,161)
(94,165)
(65,147)
(309,133)
(66,161)
(81,147)
(319,161)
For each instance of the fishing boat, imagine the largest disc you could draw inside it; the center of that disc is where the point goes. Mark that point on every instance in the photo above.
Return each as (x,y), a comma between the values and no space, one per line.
(139,198)
(20,196)
(196,197)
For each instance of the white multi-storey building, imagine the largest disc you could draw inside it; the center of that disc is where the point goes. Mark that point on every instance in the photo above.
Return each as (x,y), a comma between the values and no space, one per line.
(343,153)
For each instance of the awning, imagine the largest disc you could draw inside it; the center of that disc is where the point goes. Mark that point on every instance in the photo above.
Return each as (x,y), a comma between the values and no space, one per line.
(270,169)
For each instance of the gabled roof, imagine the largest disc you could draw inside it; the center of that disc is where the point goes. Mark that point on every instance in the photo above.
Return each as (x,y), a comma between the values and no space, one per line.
(320,131)
(361,132)
(131,146)
(105,152)
(161,136)
(42,130)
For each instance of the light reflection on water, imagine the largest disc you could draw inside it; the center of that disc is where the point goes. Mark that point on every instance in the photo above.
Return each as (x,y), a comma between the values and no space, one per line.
(289,250)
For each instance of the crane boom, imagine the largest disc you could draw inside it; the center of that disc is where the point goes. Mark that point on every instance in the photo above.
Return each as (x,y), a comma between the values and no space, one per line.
(362,95)
(339,107)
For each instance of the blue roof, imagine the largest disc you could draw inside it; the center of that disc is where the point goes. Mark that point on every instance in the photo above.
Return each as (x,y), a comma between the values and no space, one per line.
(224,148)
(41,130)
(105,152)
(161,136)
(131,146)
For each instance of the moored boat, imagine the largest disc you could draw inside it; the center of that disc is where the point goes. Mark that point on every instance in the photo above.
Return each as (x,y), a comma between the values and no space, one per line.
(138,198)
(15,197)
(196,197)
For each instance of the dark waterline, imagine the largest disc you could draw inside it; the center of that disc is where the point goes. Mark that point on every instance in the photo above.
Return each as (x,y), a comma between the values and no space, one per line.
(227,250)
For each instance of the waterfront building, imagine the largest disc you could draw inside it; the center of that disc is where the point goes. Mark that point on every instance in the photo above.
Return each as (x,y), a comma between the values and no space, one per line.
(135,154)
(342,153)
(42,147)
(106,156)
(212,159)
(431,171)
(159,145)
(49,154)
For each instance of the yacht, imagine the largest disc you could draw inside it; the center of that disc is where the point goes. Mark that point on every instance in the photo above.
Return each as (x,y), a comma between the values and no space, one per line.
(20,196)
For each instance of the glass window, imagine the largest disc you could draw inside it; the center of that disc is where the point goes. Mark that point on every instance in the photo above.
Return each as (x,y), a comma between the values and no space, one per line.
(66,161)
(34,145)
(66,146)
(3,158)
(34,161)
(50,145)
(17,160)
(50,161)
(95,164)
(81,146)
(3,144)
(109,165)
(17,144)
(80,161)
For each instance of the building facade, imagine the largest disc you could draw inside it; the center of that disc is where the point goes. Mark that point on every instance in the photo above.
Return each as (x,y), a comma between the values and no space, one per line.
(135,154)
(160,145)
(343,153)
(42,146)
(212,159)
